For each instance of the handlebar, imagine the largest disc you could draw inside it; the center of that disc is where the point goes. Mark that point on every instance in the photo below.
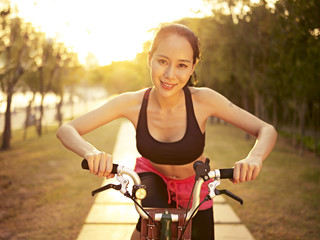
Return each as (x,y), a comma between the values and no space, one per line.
(203,174)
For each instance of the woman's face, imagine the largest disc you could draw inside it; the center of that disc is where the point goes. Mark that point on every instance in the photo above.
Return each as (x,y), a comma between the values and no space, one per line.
(171,64)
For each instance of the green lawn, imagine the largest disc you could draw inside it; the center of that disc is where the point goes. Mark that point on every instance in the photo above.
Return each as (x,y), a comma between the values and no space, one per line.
(283,202)
(43,190)
(45,194)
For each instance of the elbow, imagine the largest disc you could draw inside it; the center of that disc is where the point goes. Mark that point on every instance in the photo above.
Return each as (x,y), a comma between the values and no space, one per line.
(60,131)
(272,132)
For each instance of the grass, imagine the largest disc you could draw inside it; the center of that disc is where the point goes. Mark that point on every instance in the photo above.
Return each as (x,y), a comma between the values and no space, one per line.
(283,202)
(45,195)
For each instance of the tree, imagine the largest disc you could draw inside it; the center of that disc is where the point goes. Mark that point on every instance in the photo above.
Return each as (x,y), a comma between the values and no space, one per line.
(14,56)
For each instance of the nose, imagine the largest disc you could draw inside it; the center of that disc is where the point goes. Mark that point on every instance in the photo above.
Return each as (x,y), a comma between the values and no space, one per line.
(169,73)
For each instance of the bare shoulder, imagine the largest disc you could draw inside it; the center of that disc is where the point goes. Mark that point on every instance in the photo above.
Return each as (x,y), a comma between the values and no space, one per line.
(204,94)
(127,104)
(128,99)
(209,101)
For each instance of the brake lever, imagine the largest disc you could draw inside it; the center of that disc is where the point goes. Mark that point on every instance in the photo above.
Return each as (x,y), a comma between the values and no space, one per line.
(229,194)
(114,186)
(122,187)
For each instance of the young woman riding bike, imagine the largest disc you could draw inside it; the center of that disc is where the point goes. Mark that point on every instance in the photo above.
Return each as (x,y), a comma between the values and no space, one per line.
(170,120)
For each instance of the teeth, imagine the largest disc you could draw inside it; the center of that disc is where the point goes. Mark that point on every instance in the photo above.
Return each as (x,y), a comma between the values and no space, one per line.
(167,85)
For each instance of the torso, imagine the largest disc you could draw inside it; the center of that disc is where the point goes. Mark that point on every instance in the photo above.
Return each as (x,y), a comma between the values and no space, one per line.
(169,126)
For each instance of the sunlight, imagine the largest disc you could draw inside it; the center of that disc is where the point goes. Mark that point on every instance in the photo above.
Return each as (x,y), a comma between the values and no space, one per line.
(255,1)
(110,30)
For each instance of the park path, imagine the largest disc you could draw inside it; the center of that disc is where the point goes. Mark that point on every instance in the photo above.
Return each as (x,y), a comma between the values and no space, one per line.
(113,216)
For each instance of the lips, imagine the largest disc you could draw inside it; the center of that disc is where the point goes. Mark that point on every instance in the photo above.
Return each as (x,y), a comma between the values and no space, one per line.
(167,86)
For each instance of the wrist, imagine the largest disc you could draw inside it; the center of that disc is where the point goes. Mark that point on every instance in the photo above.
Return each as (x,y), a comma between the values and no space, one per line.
(91,152)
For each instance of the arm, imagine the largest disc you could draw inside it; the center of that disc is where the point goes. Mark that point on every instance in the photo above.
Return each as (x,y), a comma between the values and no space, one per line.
(248,168)
(70,134)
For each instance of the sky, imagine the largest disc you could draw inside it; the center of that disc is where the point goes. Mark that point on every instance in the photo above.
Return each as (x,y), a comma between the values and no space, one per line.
(111,30)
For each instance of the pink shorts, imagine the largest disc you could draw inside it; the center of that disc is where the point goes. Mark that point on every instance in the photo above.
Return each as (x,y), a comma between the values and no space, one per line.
(178,190)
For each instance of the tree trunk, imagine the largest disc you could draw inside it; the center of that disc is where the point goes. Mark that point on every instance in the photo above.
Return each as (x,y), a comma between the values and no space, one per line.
(274,115)
(59,112)
(39,121)
(6,137)
(256,103)
(42,92)
(316,120)
(262,107)
(293,129)
(28,114)
(302,115)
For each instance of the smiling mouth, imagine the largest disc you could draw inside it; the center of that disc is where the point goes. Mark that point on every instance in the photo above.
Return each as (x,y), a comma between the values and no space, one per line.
(167,85)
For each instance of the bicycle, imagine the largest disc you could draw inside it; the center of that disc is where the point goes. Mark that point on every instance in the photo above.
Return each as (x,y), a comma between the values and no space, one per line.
(175,224)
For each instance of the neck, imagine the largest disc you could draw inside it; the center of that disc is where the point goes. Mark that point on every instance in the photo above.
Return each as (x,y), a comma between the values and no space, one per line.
(167,103)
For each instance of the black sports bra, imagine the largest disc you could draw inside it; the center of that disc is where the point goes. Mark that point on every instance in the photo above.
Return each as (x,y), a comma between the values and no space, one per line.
(184,151)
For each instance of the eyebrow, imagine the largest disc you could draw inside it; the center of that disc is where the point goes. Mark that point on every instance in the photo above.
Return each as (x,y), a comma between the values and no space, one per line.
(180,60)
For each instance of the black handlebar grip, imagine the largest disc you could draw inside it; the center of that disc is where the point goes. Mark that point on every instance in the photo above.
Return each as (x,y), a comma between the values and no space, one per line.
(226,173)
(84,165)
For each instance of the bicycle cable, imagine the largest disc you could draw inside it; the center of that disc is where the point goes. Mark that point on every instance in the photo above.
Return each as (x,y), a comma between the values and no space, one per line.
(195,210)
(162,234)
(187,209)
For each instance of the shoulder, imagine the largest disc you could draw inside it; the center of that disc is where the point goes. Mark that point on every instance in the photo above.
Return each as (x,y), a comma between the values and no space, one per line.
(204,94)
(208,100)
(126,104)
(128,98)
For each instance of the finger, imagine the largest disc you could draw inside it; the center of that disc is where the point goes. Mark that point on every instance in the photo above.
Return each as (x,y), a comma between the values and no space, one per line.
(233,181)
(255,173)
(243,172)
(236,173)
(109,166)
(89,158)
(96,163)
(249,173)
(110,176)
(103,163)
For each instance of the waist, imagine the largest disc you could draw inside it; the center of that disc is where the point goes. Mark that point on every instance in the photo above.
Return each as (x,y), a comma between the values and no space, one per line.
(176,172)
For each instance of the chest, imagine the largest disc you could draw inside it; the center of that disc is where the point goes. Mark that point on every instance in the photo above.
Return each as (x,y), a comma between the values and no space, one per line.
(168,126)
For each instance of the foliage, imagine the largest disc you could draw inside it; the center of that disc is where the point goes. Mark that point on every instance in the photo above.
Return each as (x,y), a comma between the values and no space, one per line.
(122,76)
(30,61)
(264,58)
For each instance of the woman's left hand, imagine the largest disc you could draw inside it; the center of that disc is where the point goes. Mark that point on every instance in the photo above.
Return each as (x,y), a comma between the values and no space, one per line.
(246,169)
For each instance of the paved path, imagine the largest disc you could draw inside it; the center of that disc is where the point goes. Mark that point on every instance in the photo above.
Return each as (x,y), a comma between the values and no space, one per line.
(113,216)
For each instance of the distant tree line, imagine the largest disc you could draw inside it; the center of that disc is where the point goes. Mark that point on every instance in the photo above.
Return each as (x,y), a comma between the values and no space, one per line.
(31,62)
(266,58)
(263,57)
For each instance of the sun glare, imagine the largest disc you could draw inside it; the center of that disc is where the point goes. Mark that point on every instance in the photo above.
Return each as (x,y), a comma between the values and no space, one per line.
(109,30)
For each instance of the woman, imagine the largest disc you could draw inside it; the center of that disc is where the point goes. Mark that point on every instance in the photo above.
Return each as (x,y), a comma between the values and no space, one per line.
(170,120)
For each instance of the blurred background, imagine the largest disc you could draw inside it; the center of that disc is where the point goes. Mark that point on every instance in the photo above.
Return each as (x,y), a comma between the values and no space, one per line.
(62,58)
(263,55)
(59,59)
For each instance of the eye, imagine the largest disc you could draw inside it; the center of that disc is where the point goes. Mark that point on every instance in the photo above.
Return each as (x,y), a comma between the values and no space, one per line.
(182,66)
(162,61)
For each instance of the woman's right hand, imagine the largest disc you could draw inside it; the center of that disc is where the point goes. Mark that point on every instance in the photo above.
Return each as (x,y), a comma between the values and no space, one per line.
(100,163)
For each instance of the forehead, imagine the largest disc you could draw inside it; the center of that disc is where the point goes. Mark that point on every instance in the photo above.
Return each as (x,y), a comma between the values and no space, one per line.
(175,46)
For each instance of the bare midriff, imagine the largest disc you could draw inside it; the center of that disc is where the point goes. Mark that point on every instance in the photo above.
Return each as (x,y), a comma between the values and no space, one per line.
(177,171)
